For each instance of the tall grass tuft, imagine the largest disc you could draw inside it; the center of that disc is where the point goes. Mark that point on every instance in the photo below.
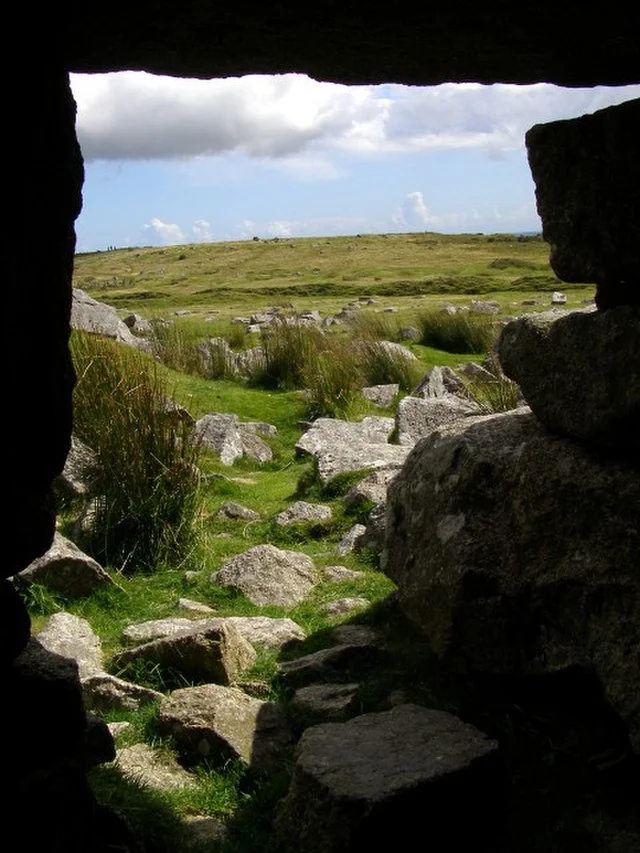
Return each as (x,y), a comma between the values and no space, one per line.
(496,394)
(289,347)
(462,332)
(147,484)
(385,365)
(333,379)
(380,327)
(176,347)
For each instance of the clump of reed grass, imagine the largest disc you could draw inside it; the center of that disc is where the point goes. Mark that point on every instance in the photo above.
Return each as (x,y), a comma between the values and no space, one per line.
(384,365)
(288,347)
(147,482)
(332,380)
(368,326)
(176,346)
(492,395)
(462,332)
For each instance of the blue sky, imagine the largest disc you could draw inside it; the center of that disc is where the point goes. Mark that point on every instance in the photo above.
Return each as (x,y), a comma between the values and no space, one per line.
(171,161)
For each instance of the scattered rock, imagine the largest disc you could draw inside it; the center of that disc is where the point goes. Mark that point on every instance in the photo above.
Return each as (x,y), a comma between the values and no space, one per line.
(381,395)
(417,418)
(194,606)
(341,446)
(104,692)
(220,433)
(212,652)
(440,382)
(72,637)
(78,474)
(325,703)
(89,315)
(350,540)
(64,568)
(216,723)
(479,306)
(344,605)
(372,488)
(268,575)
(153,769)
(579,373)
(340,573)
(353,780)
(328,664)
(255,447)
(257,630)
(239,512)
(302,512)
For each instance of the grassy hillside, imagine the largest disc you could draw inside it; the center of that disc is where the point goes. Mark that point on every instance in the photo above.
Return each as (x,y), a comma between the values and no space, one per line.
(317,272)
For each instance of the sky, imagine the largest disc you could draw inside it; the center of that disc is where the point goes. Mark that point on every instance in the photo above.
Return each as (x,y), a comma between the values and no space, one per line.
(171,161)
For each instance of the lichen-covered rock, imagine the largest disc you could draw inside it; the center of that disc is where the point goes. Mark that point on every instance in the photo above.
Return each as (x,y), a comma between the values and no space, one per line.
(517,552)
(352,781)
(89,315)
(105,692)
(212,652)
(439,382)
(216,723)
(587,174)
(303,512)
(268,575)
(78,474)
(372,488)
(381,395)
(580,372)
(72,637)
(255,447)
(418,417)
(230,509)
(344,605)
(153,769)
(341,446)
(351,539)
(221,434)
(258,630)
(66,569)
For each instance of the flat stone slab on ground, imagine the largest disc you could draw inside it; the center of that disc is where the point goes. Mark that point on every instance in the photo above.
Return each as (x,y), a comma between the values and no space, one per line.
(157,770)
(412,767)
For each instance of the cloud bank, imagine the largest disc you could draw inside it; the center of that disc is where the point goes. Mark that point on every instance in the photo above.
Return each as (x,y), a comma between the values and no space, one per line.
(138,116)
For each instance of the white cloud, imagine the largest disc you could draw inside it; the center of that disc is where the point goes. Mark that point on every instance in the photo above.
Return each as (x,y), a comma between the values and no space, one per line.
(413,212)
(202,231)
(167,232)
(311,227)
(299,121)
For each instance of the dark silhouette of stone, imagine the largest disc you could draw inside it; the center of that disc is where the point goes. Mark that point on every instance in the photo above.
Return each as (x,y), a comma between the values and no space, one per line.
(587,175)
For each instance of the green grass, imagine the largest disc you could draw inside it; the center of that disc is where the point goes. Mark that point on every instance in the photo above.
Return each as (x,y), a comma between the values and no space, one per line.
(462,332)
(146,485)
(308,373)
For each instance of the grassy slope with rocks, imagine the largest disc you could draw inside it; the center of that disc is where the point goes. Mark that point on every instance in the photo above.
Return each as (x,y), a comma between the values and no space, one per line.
(412,273)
